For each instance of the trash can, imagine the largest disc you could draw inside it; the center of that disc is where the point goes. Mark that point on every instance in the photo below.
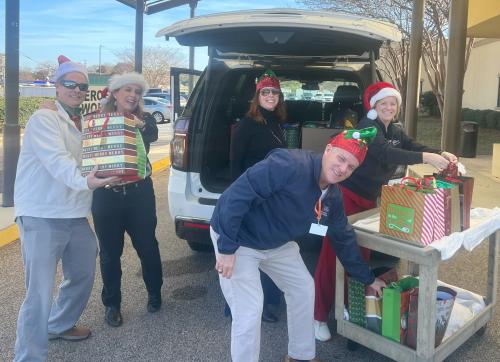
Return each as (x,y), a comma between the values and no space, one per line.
(468,139)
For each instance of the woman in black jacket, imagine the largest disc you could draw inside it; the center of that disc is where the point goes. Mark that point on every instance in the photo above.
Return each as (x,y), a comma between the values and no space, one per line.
(390,148)
(129,207)
(252,138)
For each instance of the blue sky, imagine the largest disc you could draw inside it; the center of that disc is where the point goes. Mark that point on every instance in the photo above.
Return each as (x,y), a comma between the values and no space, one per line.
(77,28)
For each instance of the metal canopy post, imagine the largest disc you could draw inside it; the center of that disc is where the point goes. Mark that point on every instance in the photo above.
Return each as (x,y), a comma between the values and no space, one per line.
(139,25)
(149,7)
(11,126)
(412,86)
(454,85)
(192,6)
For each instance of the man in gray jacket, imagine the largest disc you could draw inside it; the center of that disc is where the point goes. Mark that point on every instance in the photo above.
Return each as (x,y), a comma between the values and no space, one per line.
(52,200)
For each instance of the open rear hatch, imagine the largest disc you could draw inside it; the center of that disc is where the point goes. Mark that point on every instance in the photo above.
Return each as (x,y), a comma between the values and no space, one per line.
(284,32)
(292,39)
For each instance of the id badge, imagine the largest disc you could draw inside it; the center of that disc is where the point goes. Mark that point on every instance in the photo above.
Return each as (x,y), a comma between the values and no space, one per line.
(318,229)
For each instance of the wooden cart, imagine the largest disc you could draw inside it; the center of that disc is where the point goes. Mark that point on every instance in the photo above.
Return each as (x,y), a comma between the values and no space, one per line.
(427,260)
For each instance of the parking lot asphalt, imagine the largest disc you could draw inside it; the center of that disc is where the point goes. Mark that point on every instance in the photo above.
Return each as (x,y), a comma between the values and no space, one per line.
(190,326)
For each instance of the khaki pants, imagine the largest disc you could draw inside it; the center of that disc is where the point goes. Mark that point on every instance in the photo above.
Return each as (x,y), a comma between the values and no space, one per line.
(243,293)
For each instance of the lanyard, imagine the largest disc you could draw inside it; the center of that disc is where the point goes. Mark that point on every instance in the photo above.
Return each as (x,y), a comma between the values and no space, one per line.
(317,209)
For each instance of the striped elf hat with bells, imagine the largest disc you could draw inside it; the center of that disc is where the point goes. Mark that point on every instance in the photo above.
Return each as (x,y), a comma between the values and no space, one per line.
(377,91)
(267,80)
(355,141)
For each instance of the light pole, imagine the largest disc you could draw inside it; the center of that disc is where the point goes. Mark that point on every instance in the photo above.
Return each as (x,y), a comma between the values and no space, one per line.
(100,48)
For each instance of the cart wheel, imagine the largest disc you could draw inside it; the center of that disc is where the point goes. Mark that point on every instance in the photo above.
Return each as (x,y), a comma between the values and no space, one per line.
(351,345)
(481,331)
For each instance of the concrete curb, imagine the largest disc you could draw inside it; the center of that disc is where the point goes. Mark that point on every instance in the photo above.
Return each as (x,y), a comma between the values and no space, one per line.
(11,233)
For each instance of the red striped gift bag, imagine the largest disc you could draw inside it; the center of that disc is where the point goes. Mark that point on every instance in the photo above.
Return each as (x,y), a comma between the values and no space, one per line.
(413,210)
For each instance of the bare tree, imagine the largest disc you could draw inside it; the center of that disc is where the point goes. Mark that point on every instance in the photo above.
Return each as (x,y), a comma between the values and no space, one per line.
(26,74)
(394,58)
(44,70)
(156,63)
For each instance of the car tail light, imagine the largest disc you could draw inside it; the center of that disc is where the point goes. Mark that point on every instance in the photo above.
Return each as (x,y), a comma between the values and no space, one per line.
(179,145)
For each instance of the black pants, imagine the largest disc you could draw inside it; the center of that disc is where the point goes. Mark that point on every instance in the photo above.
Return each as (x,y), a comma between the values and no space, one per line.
(132,209)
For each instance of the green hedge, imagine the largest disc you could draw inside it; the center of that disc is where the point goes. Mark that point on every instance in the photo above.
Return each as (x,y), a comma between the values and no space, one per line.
(27,106)
(486,118)
(429,101)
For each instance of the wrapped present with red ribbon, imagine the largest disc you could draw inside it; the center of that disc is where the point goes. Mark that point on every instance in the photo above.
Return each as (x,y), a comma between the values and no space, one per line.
(113,143)
(414,210)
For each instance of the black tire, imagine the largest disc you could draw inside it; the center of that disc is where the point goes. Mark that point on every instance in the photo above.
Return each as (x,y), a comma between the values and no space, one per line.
(158,116)
(481,331)
(200,247)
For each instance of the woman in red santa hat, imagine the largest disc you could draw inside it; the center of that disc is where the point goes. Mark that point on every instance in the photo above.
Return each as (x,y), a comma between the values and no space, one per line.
(390,148)
(252,138)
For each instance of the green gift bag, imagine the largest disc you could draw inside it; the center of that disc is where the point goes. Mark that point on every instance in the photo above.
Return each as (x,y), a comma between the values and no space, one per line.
(395,302)
(356,299)
(142,158)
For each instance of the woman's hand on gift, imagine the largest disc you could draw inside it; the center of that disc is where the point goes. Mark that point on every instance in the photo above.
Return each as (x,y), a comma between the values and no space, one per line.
(94,182)
(225,264)
(449,156)
(48,104)
(138,123)
(435,160)
(377,285)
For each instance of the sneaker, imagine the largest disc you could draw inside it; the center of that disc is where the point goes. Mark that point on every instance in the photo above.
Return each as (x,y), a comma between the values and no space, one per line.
(74,334)
(321,331)
(290,359)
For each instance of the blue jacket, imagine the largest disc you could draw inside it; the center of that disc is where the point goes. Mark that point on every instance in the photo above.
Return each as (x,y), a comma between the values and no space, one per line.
(273,203)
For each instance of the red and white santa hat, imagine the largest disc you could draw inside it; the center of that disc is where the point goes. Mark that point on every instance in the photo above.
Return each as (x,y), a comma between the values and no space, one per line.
(377,91)
(67,66)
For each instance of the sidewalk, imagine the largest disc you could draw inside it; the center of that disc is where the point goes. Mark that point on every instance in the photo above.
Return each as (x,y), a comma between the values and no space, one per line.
(159,156)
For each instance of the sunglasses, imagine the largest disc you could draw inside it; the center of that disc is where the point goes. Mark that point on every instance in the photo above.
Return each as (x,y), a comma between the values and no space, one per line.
(71,84)
(267,91)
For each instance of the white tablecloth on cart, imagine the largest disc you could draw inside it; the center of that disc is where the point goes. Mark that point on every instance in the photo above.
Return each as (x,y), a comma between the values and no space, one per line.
(482,222)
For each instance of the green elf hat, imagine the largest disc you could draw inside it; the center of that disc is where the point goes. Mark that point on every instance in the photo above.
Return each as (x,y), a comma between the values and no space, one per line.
(267,80)
(355,141)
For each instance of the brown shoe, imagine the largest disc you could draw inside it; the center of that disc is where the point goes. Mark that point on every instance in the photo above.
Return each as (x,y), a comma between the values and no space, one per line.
(73,334)
(290,359)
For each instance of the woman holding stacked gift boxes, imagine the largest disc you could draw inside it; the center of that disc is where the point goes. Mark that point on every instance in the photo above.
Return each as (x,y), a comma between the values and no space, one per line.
(129,207)
(390,148)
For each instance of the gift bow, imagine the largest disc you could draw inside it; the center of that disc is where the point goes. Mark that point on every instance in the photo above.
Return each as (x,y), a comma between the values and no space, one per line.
(365,136)
(424,184)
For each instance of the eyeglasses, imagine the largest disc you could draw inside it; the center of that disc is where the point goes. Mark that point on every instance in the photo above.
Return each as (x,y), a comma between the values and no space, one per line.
(267,91)
(71,84)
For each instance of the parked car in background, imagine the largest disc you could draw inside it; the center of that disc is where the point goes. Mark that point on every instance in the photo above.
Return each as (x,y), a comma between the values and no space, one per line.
(328,97)
(303,47)
(160,108)
(161,95)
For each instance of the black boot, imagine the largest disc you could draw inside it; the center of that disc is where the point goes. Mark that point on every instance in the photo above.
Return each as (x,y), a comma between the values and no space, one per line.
(154,303)
(113,316)
(267,315)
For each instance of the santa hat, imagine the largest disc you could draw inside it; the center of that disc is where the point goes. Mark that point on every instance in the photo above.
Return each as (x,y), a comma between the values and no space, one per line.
(67,66)
(119,80)
(267,80)
(355,141)
(376,92)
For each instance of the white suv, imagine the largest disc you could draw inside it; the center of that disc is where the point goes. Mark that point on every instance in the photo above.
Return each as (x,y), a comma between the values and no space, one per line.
(309,49)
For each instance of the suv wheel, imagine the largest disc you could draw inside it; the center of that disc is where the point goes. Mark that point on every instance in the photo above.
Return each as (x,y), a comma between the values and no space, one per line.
(201,247)
(158,117)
